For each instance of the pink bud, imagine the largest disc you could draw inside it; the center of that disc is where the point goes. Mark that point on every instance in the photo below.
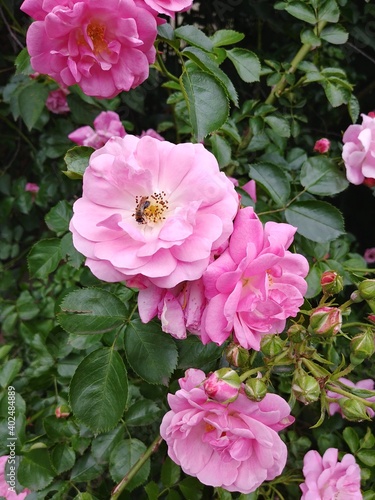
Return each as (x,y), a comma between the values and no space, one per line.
(62,411)
(222,385)
(31,187)
(56,101)
(331,282)
(369,255)
(322,145)
(325,321)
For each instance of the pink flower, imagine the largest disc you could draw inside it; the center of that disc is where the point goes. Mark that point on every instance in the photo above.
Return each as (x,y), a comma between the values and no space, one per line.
(104,47)
(362,384)
(251,189)
(327,478)
(31,187)
(179,308)
(369,255)
(152,211)
(56,101)
(169,7)
(359,150)
(6,488)
(326,320)
(152,133)
(322,145)
(255,285)
(223,385)
(235,446)
(107,124)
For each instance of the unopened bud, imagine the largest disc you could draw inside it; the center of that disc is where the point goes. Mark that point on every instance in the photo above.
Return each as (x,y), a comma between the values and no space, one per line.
(255,389)
(237,356)
(331,283)
(306,388)
(322,145)
(271,345)
(362,346)
(371,304)
(371,317)
(356,297)
(367,289)
(297,333)
(353,410)
(62,411)
(223,385)
(325,321)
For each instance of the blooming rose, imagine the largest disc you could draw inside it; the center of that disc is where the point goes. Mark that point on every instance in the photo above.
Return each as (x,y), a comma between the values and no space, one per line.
(152,211)
(56,101)
(322,145)
(359,150)
(107,124)
(235,446)
(104,47)
(326,478)
(369,255)
(5,490)
(362,384)
(169,7)
(255,285)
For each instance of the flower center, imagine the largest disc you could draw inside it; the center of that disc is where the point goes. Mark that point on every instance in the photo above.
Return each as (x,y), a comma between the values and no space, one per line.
(150,208)
(96,32)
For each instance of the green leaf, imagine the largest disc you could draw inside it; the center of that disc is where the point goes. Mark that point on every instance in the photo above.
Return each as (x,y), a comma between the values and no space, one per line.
(31,102)
(328,11)
(320,175)
(335,34)
(58,217)
(124,456)
(27,309)
(44,257)
(195,37)
(191,488)
(336,95)
(317,220)
(279,124)
(103,445)
(353,108)
(77,160)
(221,149)
(206,100)
(166,31)
(152,490)
(151,353)
(193,354)
(91,310)
(273,180)
(204,61)
(35,470)
(310,37)
(85,469)
(9,371)
(143,412)
(226,37)
(246,63)
(99,388)
(22,62)
(170,473)
(367,457)
(62,457)
(302,11)
(351,439)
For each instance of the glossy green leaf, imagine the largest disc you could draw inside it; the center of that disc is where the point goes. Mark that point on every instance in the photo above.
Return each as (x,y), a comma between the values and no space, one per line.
(170,473)
(353,108)
(62,457)
(351,439)
(44,257)
(193,354)
(9,371)
(99,389)
(310,37)
(335,34)
(31,102)
(246,63)
(328,11)
(142,412)
(91,310)
(151,353)
(77,160)
(190,488)
(103,445)
(367,457)
(206,100)
(335,94)
(301,11)
(152,490)
(226,37)
(221,149)
(279,124)
(320,175)
(58,217)
(85,469)
(195,37)
(27,309)
(273,179)
(317,220)
(123,457)
(22,62)
(35,470)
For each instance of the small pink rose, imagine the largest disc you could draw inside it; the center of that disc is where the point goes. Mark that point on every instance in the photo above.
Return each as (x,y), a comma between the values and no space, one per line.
(322,145)
(31,187)
(56,101)
(369,255)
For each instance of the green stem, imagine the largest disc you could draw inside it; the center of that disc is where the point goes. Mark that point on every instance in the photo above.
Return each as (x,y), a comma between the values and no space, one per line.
(349,395)
(162,68)
(117,490)
(248,373)
(285,207)
(299,57)
(354,323)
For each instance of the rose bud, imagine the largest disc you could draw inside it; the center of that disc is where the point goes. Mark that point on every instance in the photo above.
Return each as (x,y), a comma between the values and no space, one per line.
(297,333)
(331,283)
(306,388)
(271,345)
(367,289)
(362,346)
(356,297)
(322,145)
(353,409)
(62,411)
(223,385)
(237,356)
(325,321)
(255,389)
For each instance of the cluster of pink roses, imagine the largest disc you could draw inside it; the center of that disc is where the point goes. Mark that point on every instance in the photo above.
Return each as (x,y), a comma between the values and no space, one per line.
(104,47)
(159,216)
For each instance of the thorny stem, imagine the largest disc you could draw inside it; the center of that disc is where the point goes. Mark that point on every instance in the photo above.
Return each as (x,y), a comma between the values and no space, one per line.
(299,57)
(117,490)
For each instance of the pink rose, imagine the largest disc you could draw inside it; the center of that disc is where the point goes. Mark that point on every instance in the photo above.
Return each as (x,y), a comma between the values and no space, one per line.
(152,133)
(251,189)
(369,255)
(56,101)
(31,187)
(179,308)
(107,124)
(104,47)
(359,150)
(362,384)
(255,285)
(5,488)
(326,478)
(326,320)
(235,446)
(322,145)
(152,209)
(169,7)
(223,385)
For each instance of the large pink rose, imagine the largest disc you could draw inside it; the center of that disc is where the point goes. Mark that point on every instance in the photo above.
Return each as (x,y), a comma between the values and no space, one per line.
(169,7)
(368,384)
(107,124)
(104,47)
(235,446)
(152,211)
(327,478)
(359,150)
(6,489)
(255,285)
